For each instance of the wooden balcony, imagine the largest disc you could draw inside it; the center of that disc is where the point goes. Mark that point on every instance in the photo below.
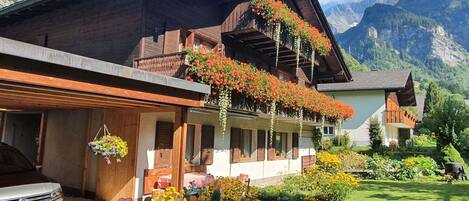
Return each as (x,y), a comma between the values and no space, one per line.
(243,27)
(174,64)
(400,118)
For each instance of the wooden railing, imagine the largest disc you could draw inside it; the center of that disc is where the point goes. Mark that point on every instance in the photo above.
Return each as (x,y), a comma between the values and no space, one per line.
(174,64)
(239,19)
(400,116)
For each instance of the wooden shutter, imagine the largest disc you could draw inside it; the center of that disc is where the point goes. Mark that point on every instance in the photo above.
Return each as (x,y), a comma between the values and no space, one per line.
(271,146)
(295,147)
(235,145)
(207,143)
(171,41)
(261,145)
(163,144)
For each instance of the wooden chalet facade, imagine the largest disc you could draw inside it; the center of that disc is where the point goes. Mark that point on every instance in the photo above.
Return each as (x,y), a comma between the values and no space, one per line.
(150,36)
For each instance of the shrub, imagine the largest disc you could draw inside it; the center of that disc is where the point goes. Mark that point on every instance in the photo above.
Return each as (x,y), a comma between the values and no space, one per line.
(384,168)
(297,187)
(327,161)
(341,140)
(374,131)
(450,154)
(331,186)
(317,137)
(231,190)
(170,194)
(422,141)
(351,160)
(326,144)
(420,166)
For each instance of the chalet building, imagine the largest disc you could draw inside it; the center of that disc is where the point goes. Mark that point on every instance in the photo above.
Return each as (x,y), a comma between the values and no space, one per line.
(377,94)
(172,126)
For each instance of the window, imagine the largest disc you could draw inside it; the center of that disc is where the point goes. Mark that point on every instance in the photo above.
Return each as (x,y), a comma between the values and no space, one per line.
(246,142)
(190,140)
(280,144)
(329,130)
(201,43)
(241,145)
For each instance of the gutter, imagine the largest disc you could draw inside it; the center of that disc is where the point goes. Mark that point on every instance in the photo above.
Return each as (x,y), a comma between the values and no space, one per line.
(72,61)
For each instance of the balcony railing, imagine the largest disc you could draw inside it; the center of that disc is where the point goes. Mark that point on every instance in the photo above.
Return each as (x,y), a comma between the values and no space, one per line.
(244,27)
(174,64)
(400,118)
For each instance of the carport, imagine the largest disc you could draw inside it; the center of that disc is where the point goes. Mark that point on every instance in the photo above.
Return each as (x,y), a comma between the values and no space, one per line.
(77,95)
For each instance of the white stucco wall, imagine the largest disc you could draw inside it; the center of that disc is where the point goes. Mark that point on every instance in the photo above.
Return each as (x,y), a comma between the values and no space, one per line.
(257,169)
(146,145)
(221,161)
(391,134)
(366,105)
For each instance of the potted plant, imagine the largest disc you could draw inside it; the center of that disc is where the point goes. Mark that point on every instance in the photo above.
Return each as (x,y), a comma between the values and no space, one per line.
(108,146)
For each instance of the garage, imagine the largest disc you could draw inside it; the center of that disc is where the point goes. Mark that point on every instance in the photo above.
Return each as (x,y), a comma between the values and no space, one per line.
(53,103)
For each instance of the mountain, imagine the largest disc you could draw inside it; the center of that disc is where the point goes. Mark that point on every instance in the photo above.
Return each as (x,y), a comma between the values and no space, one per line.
(453,15)
(342,16)
(397,37)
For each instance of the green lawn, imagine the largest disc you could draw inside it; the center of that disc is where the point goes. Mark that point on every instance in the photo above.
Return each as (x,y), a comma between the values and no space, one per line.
(398,190)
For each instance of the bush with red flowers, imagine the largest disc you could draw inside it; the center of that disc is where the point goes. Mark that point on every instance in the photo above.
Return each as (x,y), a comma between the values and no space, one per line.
(275,11)
(225,74)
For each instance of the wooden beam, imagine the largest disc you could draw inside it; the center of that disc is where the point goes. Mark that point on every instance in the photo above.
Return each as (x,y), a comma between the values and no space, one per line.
(179,147)
(60,83)
(63,94)
(42,138)
(84,177)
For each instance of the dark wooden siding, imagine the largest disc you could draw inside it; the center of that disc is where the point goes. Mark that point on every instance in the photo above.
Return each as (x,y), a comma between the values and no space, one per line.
(101,29)
(202,16)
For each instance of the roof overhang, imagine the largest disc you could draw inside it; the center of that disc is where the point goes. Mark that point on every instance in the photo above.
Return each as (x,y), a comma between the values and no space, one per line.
(33,76)
(312,12)
(406,95)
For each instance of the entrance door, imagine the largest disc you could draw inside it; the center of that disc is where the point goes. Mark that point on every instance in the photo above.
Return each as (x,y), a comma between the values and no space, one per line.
(21,130)
(404,135)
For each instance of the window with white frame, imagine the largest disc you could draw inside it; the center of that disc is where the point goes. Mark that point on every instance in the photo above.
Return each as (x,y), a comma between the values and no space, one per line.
(329,130)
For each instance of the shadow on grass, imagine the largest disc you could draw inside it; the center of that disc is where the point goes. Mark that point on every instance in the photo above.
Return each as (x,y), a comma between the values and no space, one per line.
(389,190)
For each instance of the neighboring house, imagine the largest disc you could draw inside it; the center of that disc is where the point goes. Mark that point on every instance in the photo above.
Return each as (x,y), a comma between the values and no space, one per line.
(420,99)
(150,35)
(379,94)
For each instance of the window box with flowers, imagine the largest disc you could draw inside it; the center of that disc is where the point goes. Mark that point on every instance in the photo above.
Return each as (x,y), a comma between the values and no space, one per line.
(226,76)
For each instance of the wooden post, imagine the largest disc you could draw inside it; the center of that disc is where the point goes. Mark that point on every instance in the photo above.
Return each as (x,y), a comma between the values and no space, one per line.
(179,148)
(85,154)
(42,138)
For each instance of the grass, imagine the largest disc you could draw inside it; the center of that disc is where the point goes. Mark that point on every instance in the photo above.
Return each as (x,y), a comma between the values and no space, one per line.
(358,149)
(400,190)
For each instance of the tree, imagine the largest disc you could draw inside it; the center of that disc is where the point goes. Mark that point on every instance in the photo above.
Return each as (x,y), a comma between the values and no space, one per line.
(375,133)
(433,98)
(448,120)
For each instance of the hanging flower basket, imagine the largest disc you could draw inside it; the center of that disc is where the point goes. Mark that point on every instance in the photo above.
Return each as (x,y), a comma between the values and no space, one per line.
(108,146)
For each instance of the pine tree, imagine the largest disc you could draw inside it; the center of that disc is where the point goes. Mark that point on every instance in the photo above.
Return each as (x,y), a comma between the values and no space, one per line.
(433,98)
(376,138)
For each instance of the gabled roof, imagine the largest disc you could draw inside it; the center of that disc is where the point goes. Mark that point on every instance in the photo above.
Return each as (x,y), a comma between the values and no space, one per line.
(420,105)
(387,80)
(391,81)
